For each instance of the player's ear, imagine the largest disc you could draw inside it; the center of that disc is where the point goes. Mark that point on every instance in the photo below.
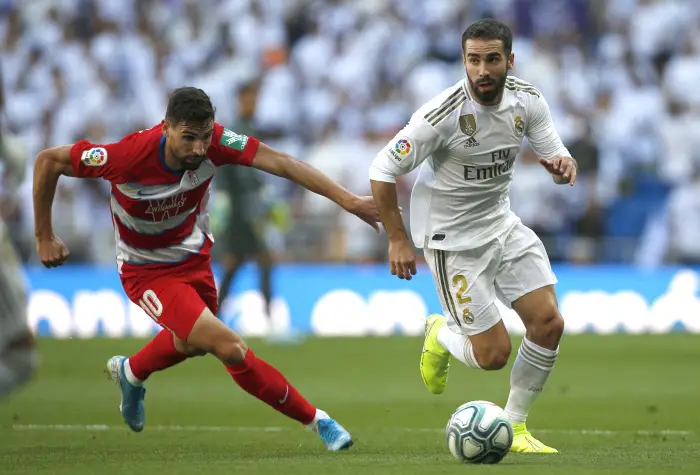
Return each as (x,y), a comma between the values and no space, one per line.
(164,126)
(511,61)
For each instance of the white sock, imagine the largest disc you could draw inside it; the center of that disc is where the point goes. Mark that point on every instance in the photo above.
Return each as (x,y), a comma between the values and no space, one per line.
(313,425)
(530,372)
(130,375)
(459,346)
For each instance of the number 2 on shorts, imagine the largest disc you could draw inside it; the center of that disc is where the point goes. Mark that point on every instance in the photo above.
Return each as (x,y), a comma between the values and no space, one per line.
(461,283)
(150,303)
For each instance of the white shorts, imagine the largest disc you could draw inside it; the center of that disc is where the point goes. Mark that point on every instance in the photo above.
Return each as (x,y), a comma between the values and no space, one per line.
(469,281)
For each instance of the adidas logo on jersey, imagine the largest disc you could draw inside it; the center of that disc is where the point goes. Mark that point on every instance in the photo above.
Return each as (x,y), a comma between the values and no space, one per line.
(471,142)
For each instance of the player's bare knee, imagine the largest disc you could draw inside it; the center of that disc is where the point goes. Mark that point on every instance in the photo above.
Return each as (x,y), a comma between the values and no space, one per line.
(230,349)
(186,349)
(548,329)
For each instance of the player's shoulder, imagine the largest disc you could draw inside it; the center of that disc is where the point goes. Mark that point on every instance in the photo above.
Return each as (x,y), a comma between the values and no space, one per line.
(121,156)
(519,89)
(445,104)
(145,141)
(141,147)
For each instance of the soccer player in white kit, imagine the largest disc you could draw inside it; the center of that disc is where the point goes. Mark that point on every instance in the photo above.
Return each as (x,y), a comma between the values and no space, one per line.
(466,140)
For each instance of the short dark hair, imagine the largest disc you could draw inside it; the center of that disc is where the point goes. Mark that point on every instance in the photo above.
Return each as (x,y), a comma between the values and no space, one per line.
(488,29)
(189,104)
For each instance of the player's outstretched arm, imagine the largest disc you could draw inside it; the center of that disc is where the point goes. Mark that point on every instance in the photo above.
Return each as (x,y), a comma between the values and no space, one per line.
(406,151)
(402,258)
(281,164)
(50,164)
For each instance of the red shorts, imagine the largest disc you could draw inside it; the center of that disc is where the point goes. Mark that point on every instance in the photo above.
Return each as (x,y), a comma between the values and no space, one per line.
(174,297)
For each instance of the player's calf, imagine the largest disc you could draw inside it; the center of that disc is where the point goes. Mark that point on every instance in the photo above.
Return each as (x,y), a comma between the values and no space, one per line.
(536,359)
(540,315)
(547,329)
(492,348)
(493,359)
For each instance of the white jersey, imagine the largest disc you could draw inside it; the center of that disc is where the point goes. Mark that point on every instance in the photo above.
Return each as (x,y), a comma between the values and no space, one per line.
(467,151)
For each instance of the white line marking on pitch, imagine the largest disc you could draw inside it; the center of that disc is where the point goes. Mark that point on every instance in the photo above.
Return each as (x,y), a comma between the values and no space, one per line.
(177,428)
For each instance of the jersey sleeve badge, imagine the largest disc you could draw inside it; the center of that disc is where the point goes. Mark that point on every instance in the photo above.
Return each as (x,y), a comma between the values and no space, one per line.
(401,149)
(94,157)
(233,140)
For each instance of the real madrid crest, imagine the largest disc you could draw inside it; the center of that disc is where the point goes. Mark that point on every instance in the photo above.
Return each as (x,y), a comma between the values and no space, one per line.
(468,124)
(519,126)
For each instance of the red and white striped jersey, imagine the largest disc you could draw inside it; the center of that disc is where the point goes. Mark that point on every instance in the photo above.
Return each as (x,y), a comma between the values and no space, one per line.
(159,214)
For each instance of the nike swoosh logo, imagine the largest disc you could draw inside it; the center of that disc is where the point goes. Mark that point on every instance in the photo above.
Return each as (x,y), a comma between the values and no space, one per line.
(141,193)
(286,395)
(534,445)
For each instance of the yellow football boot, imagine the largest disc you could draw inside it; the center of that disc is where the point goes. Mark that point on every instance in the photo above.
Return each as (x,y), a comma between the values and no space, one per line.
(525,443)
(434,360)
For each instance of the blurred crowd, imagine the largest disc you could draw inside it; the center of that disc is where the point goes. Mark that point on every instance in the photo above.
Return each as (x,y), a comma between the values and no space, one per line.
(336,79)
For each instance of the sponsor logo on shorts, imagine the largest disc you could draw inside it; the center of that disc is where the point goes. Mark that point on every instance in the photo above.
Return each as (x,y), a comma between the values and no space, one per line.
(95,157)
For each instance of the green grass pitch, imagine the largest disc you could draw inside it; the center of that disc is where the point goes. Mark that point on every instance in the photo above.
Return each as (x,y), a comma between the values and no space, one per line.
(614,405)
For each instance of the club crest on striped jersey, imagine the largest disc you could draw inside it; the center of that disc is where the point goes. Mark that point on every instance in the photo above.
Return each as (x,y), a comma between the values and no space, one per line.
(519,126)
(167,208)
(193,178)
(467,123)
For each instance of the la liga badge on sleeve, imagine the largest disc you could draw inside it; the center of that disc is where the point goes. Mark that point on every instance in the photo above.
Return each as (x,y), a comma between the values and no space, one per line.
(95,157)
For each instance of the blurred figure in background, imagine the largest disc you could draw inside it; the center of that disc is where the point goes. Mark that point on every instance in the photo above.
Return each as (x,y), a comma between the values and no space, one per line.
(243,234)
(18,357)
(618,75)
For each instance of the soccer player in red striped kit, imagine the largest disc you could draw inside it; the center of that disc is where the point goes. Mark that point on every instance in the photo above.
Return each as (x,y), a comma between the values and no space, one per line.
(160,184)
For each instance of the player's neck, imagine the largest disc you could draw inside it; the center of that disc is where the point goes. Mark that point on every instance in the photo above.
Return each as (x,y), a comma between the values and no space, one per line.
(171,162)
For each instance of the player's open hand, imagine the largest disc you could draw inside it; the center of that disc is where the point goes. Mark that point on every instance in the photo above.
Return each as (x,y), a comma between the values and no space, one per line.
(562,168)
(402,259)
(366,209)
(52,252)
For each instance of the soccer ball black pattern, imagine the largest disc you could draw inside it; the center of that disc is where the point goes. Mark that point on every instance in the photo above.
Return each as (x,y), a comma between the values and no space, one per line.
(479,432)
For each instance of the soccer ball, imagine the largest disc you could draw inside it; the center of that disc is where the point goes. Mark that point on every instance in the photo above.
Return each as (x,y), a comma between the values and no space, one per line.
(479,432)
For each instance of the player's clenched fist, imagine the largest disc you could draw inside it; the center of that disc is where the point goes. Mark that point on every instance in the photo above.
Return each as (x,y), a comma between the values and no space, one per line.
(562,168)
(402,259)
(52,252)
